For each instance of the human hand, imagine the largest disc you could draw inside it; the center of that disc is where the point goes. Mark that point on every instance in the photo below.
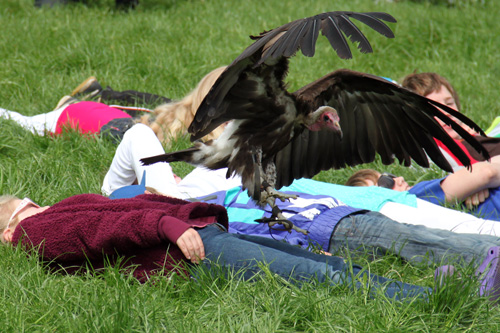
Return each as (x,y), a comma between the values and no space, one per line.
(191,245)
(469,129)
(477,198)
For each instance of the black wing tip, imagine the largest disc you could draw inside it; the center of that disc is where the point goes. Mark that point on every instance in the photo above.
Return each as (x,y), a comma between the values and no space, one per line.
(372,19)
(383,16)
(146,161)
(152,159)
(262,34)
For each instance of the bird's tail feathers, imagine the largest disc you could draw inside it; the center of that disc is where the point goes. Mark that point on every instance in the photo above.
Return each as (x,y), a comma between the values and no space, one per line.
(185,155)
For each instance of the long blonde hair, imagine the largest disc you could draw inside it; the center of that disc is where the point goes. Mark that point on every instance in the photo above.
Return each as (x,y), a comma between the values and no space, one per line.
(173,119)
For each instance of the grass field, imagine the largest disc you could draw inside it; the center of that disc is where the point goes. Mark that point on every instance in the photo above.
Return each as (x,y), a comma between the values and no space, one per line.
(165,47)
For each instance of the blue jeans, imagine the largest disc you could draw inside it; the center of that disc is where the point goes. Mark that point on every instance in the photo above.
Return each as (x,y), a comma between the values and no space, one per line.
(243,253)
(373,230)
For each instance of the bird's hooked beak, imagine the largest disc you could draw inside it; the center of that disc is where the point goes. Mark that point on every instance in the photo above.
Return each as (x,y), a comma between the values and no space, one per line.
(326,118)
(330,120)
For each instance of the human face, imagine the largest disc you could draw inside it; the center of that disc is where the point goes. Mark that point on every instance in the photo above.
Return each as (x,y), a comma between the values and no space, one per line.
(390,181)
(444,96)
(22,205)
(386,180)
(24,208)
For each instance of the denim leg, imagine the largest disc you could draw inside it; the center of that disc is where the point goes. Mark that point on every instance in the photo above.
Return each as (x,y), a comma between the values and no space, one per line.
(243,253)
(412,242)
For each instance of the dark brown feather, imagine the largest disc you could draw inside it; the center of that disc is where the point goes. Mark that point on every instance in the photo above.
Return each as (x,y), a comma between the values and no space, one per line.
(377,117)
(269,123)
(301,33)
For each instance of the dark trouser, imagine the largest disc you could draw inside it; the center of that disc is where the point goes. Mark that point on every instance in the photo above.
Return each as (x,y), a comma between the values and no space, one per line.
(131,97)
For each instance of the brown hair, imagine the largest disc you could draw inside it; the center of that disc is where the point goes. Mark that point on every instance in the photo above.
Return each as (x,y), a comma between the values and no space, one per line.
(360,177)
(173,119)
(427,83)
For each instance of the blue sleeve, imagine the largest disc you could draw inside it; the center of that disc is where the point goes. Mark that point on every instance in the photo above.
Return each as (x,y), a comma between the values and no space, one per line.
(430,190)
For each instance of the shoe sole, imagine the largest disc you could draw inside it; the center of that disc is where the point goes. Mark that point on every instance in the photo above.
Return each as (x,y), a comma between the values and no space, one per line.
(490,284)
(84,86)
(65,101)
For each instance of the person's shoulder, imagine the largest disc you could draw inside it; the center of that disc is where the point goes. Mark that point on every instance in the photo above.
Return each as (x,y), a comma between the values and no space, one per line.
(83,198)
(159,198)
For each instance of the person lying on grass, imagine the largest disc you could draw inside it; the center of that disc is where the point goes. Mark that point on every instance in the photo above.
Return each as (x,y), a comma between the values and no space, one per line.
(477,189)
(87,117)
(89,110)
(153,234)
(331,224)
(436,87)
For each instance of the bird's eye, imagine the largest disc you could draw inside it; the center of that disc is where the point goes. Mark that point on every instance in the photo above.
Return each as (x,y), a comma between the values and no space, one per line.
(326,118)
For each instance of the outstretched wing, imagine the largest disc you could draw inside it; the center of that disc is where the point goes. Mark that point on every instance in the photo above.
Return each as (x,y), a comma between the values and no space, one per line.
(256,75)
(376,117)
(302,34)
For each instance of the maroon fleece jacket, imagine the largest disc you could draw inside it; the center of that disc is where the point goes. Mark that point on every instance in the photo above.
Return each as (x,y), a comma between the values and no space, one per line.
(90,229)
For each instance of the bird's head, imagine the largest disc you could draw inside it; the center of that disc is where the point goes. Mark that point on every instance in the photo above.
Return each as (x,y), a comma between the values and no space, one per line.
(324,117)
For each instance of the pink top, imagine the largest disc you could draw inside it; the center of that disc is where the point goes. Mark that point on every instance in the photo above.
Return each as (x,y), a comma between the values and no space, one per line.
(88,117)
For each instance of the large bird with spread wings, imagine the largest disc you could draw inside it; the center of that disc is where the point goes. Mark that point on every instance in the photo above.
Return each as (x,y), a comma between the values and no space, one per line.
(342,119)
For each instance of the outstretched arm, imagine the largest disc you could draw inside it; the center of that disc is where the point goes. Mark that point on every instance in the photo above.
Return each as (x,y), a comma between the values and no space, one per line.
(472,186)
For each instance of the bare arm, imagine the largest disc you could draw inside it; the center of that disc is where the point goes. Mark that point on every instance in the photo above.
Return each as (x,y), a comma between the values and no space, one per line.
(464,184)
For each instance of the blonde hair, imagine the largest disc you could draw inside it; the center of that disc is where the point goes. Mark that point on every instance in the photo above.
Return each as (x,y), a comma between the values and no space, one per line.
(7,207)
(360,177)
(173,119)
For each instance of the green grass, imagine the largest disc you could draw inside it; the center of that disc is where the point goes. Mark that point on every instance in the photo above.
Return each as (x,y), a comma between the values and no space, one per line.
(165,47)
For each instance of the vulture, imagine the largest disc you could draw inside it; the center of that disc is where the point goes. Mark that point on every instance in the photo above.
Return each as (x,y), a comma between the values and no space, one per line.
(343,119)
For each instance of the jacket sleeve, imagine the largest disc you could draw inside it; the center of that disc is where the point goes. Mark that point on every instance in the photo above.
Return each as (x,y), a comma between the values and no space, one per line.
(171,228)
(89,234)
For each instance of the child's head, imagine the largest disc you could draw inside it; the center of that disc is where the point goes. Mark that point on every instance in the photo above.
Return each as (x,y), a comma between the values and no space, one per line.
(437,88)
(370,177)
(426,84)
(364,177)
